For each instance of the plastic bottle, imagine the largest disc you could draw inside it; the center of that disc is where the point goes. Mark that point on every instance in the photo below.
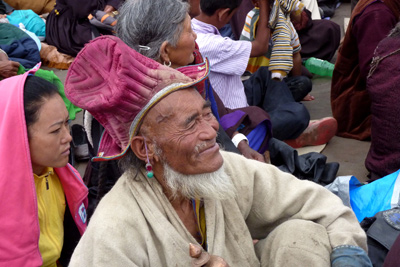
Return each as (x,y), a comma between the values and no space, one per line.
(319,66)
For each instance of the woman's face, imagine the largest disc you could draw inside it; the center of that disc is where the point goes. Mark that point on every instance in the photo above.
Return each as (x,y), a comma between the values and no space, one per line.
(182,53)
(49,138)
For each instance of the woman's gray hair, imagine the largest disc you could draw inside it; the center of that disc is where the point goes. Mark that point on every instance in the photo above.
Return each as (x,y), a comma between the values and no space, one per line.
(150,23)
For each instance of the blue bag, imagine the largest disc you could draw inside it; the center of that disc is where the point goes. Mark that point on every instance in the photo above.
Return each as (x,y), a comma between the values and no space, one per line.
(368,199)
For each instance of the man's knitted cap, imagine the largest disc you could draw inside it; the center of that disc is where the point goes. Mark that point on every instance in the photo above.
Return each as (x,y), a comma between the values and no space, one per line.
(118,86)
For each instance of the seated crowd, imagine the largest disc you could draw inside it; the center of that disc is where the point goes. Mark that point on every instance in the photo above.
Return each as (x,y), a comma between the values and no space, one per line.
(193,114)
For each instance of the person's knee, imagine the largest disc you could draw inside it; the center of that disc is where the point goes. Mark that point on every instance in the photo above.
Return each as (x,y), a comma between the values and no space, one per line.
(289,121)
(295,241)
(303,116)
(297,229)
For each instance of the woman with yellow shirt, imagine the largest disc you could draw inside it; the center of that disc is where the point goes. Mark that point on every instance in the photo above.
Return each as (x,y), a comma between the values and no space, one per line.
(43,199)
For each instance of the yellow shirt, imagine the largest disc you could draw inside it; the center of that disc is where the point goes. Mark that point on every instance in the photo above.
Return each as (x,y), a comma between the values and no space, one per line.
(51,209)
(198,206)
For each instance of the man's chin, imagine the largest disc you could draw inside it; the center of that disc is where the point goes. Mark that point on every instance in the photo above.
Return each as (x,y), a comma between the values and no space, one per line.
(213,163)
(215,185)
(218,162)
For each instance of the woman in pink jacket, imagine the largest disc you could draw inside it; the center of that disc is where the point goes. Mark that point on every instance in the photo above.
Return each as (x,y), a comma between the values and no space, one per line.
(43,199)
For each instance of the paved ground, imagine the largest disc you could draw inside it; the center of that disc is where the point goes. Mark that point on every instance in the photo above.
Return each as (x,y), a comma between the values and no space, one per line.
(349,153)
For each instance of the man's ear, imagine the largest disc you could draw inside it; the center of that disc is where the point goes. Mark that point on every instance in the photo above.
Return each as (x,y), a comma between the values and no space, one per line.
(139,149)
(223,13)
(164,53)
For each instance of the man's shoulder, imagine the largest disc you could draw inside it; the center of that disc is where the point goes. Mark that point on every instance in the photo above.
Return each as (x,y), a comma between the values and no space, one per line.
(239,167)
(117,202)
(210,43)
(236,165)
(208,33)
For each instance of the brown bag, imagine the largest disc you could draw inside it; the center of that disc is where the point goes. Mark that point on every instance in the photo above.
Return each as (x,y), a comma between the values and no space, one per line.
(38,6)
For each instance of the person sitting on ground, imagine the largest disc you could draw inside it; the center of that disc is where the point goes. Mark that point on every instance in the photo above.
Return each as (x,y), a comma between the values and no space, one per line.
(285,48)
(382,85)
(172,24)
(370,22)
(46,198)
(228,61)
(19,45)
(179,188)
(283,55)
(68,27)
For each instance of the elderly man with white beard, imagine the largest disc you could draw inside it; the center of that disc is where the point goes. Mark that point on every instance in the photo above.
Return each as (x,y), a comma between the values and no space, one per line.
(180,191)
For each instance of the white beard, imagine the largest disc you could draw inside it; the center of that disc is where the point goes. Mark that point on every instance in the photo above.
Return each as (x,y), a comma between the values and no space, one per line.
(214,186)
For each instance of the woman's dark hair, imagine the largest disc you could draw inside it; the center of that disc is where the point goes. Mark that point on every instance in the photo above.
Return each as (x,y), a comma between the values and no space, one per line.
(209,7)
(36,91)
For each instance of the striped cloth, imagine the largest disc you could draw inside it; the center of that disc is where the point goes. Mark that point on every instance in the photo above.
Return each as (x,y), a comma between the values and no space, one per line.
(284,40)
(228,61)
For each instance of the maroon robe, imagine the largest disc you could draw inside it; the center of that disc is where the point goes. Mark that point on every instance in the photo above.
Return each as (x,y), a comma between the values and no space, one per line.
(383,87)
(371,21)
(392,258)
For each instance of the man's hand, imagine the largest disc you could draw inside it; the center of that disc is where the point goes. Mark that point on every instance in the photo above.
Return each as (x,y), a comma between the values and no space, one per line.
(109,9)
(261,41)
(203,258)
(8,68)
(249,153)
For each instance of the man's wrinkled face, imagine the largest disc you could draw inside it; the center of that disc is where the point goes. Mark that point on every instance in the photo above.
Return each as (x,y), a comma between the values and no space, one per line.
(184,128)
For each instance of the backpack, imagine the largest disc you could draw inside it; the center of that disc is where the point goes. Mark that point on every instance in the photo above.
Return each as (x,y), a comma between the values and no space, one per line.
(382,231)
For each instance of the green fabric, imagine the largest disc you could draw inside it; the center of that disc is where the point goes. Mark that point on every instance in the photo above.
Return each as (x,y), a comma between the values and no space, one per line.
(51,77)
(9,33)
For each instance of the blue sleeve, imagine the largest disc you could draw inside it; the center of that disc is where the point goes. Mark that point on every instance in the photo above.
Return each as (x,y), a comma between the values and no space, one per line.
(349,256)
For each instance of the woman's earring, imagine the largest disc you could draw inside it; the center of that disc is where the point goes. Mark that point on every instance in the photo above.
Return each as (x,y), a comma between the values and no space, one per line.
(169,64)
(149,167)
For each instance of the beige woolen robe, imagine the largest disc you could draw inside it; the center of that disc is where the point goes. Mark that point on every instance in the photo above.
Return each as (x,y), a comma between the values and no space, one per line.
(135,225)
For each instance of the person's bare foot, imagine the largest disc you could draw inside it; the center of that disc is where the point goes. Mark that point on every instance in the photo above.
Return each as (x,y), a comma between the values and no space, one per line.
(308,98)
